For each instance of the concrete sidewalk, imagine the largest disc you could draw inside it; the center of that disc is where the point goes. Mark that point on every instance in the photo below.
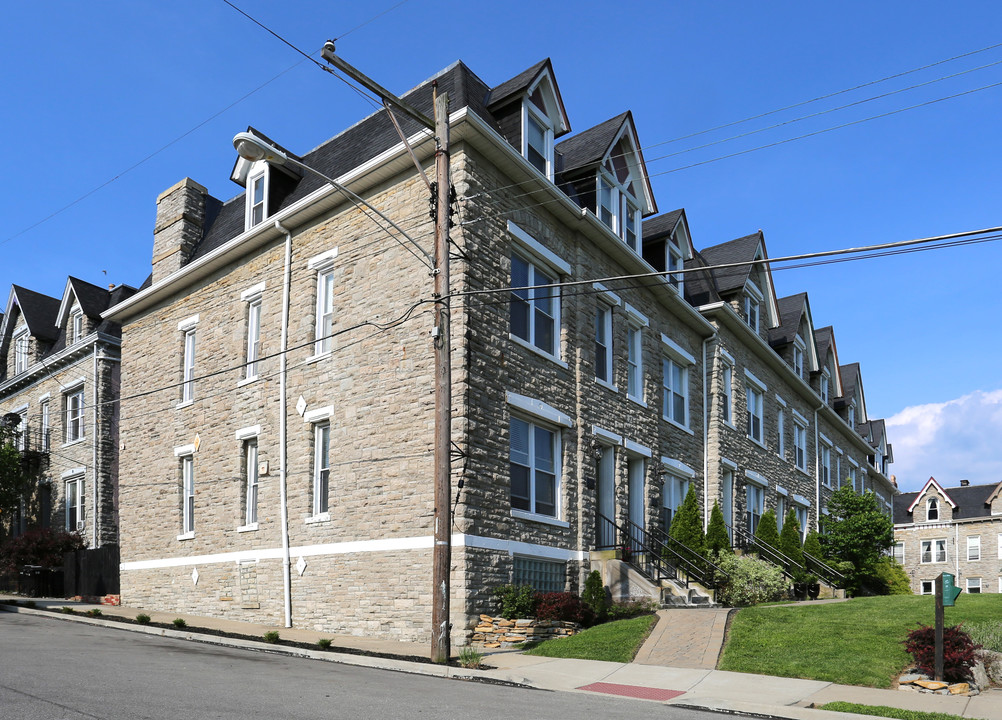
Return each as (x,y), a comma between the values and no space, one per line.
(700,687)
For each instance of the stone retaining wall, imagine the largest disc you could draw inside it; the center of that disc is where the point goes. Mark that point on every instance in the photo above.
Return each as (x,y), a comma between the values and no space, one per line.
(499,632)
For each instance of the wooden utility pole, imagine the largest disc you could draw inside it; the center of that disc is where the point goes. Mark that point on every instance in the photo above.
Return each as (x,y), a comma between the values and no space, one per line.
(440,642)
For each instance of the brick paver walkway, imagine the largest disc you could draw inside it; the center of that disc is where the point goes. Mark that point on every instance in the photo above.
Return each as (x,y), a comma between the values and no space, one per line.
(685,638)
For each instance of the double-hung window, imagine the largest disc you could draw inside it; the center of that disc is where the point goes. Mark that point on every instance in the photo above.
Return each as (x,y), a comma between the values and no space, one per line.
(323,324)
(934,551)
(974,547)
(675,262)
(974,585)
(675,398)
(754,506)
(932,510)
(798,355)
(898,552)
(21,352)
(634,363)
(753,301)
(854,478)
(825,385)
(250,482)
(46,425)
(253,351)
(825,456)
(672,495)
(534,310)
(76,325)
(800,445)
(321,468)
(754,401)
(187,329)
(727,391)
(802,521)
(188,494)
(781,432)
(535,467)
(73,423)
(603,343)
(74,495)
(257,197)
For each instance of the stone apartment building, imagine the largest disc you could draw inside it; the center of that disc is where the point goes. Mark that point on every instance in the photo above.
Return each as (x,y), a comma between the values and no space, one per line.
(956,530)
(276,442)
(60,372)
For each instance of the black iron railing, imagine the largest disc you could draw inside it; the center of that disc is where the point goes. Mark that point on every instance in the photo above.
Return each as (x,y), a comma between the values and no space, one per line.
(791,568)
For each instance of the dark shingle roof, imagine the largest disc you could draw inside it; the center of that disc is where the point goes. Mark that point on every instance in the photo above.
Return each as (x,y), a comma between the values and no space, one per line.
(39,312)
(742,249)
(656,227)
(353,147)
(590,146)
(700,287)
(970,502)
(516,85)
(823,339)
(791,310)
(92,298)
(850,378)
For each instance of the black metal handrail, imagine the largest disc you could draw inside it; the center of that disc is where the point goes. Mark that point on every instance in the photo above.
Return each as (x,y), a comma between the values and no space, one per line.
(30,439)
(812,565)
(823,570)
(635,550)
(694,563)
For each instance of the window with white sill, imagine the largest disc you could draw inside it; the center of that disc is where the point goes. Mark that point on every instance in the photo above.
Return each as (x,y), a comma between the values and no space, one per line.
(754,400)
(825,456)
(256,207)
(802,521)
(188,366)
(974,585)
(934,551)
(898,552)
(250,481)
(534,462)
(675,389)
(21,352)
(675,262)
(76,325)
(928,587)
(800,445)
(603,343)
(825,385)
(616,185)
(534,311)
(634,363)
(932,510)
(187,494)
(974,547)
(74,503)
(727,391)
(324,321)
(538,149)
(321,468)
(754,506)
(253,346)
(798,356)
(73,415)
(673,492)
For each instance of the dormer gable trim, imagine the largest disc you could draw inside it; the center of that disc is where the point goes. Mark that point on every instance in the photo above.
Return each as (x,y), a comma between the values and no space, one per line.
(765,272)
(929,484)
(634,161)
(35,320)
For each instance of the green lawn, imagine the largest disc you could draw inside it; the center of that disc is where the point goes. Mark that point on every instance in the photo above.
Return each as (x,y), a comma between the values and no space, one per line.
(885,711)
(853,643)
(614,641)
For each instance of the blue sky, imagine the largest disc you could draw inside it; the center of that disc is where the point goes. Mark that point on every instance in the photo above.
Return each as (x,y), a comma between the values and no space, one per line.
(90,90)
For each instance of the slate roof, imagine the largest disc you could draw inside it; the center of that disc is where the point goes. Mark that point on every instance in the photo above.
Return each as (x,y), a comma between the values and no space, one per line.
(588,147)
(791,310)
(850,378)
(351,148)
(516,86)
(39,312)
(654,228)
(970,502)
(742,249)
(823,339)
(93,299)
(700,287)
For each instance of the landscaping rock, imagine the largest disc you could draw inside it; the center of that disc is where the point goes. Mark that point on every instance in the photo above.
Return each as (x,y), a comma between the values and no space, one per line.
(979,675)
(910,678)
(959,688)
(931,684)
(993,665)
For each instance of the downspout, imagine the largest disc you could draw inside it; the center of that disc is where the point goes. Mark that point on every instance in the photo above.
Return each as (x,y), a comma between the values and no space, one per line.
(283,422)
(817,474)
(956,550)
(93,462)
(706,443)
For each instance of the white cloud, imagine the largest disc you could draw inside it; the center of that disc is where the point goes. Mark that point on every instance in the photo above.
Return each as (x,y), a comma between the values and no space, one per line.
(954,440)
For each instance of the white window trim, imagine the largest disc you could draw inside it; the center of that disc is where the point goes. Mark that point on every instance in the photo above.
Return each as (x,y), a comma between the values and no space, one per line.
(977,546)
(325,515)
(323,261)
(544,519)
(75,389)
(558,470)
(635,344)
(606,295)
(608,436)
(760,441)
(606,309)
(635,316)
(532,257)
(253,301)
(530,108)
(538,409)
(187,323)
(321,414)
(246,433)
(187,459)
(636,448)
(678,467)
(799,424)
(750,376)
(678,352)
(969,585)
(932,551)
(780,490)
(756,478)
(262,171)
(669,400)
(183,450)
(541,254)
(76,476)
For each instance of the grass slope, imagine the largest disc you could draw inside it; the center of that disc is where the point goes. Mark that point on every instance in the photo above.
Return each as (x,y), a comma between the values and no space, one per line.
(885,711)
(853,643)
(616,641)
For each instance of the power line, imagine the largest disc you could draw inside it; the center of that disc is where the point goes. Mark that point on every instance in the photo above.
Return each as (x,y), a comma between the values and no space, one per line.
(373,18)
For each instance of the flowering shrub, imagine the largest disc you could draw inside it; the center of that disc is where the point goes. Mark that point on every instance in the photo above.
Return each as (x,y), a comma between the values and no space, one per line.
(750,580)
(959,652)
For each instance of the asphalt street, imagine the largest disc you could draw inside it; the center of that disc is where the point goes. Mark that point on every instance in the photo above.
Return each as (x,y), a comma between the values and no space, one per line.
(51,669)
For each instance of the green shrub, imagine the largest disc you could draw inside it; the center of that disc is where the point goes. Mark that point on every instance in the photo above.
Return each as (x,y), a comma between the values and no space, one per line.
(143,619)
(594,596)
(271,636)
(324,643)
(44,547)
(94,612)
(959,652)
(789,545)
(515,601)
(632,608)
(812,546)
(179,623)
(687,526)
(470,658)
(68,610)
(717,539)
(767,532)
(889,578)
(750,580)
(986,634)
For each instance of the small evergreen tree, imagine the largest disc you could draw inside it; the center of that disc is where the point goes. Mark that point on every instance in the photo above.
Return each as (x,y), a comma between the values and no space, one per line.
(812,545)
(687,525)
(717,539)
(767,534)
(789,543)
(856,531)
(594,596)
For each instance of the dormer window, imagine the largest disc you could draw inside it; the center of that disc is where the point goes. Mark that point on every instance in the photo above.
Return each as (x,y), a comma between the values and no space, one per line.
(21,352)
(825,384)
(76,325)
(675,262)
(257,197)
(538,135)
(618,210)
(932,510)
(852,415)
(753,303)
(798,355)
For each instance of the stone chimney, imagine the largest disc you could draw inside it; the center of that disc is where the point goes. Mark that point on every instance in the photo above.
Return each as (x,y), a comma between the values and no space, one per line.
(965,483)
(179,226)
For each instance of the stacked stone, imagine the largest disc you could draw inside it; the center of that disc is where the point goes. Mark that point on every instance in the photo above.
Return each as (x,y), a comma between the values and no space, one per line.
(499,632)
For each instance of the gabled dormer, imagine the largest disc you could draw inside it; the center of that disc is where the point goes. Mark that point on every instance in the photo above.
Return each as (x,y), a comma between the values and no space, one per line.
(267,183)
(530,114)
(602,169)
(932,504)
(668,246)
(744,281)
(994,501)
(851,406)
(80,309)
(28,329)
(794,338)
(828,381)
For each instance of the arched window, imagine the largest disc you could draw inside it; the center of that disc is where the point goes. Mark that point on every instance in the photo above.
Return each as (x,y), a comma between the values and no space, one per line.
(932,510)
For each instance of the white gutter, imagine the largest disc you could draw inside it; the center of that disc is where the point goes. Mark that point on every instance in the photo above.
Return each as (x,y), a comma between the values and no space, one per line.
(283,422)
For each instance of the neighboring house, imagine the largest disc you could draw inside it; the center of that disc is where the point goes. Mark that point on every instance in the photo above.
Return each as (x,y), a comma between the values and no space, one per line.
(59,370)
(956,530)
(278,368)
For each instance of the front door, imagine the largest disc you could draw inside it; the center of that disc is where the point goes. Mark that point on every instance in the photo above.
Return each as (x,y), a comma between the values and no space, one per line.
(605,531)
(635,471)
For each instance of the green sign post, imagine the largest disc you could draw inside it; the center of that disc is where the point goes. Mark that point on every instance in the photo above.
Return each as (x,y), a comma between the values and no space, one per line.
(946,595)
